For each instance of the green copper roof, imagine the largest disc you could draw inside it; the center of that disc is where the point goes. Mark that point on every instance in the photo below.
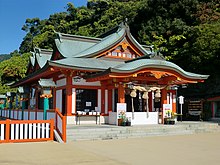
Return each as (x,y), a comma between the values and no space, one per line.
(70,45)
(42,56)
(47,83)
(32,59)
(85,63)
(78,46)
(2,96)
(106,42)
(136,65)
(141,48)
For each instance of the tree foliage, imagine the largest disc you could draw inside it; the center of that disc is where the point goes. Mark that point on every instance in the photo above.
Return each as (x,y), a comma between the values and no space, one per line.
(185,31)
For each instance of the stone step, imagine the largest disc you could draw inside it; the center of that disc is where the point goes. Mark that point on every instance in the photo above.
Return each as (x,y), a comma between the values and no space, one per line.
(104,132)
(121,136)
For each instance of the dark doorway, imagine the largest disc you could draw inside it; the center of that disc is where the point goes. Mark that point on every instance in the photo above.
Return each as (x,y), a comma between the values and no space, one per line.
(63,102)
(139,102)
(86,99)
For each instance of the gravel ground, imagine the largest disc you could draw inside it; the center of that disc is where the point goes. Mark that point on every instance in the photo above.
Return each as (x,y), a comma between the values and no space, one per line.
(197,149)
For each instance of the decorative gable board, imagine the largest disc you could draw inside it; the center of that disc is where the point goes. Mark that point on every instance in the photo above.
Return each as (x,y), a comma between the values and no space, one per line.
(124,50)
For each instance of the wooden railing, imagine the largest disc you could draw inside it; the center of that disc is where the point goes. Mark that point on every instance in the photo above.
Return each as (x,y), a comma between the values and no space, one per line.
(32,115)
(29,114)
(60,124)
(26,130)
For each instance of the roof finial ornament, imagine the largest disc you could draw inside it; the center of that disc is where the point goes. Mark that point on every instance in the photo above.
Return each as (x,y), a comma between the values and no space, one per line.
(58,34)
(126,20)
(157,55)
(126,23)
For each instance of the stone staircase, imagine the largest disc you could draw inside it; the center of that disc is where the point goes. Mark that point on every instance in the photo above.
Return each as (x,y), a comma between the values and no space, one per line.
(106,132)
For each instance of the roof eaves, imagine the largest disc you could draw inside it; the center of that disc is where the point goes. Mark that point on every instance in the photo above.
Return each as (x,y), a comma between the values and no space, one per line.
(77,37)
(34,74)
(161,66)
(52,63)
(107,71)
(134,41)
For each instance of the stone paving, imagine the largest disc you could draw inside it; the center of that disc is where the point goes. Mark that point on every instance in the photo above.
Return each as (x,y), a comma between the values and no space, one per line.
(196,149)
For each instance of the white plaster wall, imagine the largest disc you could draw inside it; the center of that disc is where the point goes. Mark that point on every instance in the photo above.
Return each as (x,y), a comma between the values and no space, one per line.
(61,82)
(15,115)
(32,115)
(83,82)
(140,118)
(59,124)
(152,101)
(40,115)
(25,115)
(50,115)
(113,100)
(99,100)
(59,99)
(106,101)
(19,115)
(73,100)
(113,118)
(171,100)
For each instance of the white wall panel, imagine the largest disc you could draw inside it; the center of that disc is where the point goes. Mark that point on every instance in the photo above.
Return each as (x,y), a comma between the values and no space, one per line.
(59,99)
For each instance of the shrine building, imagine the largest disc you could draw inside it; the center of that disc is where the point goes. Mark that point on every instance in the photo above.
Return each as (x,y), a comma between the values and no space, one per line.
(95,74)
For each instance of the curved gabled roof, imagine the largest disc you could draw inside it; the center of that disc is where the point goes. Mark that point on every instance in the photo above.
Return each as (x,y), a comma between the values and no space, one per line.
(42,56)
(111,40)
(137,65)
(71,45)
(32,59)
(104,44)
(87,47)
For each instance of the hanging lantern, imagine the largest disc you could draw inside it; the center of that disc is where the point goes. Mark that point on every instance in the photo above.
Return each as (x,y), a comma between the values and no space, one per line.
(2,99)
(145,95)
(46,87)
(23,91)
(157,94)
(133,93)
(10,96)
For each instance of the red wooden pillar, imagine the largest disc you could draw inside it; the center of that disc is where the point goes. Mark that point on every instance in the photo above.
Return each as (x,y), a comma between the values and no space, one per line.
(213,108)
(68,95)
(163,101)
(54,98)
(121,94)
(173,101)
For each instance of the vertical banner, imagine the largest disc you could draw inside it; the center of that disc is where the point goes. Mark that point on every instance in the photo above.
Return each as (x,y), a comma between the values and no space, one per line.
(121,109)
(167,110)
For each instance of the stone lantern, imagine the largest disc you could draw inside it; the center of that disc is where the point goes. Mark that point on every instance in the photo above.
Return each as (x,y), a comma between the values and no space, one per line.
(46,92)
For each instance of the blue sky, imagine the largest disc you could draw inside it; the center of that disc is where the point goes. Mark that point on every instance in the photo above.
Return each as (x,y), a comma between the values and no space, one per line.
(13,14)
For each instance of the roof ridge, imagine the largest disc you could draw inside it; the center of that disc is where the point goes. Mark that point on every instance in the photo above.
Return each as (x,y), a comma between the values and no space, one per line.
(73,36)
(114,29)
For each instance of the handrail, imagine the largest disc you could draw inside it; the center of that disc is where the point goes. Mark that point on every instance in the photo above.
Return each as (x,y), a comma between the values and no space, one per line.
(62,132)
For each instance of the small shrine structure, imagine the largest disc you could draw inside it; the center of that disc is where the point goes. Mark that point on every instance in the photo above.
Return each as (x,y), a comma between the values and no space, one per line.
(92,75)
